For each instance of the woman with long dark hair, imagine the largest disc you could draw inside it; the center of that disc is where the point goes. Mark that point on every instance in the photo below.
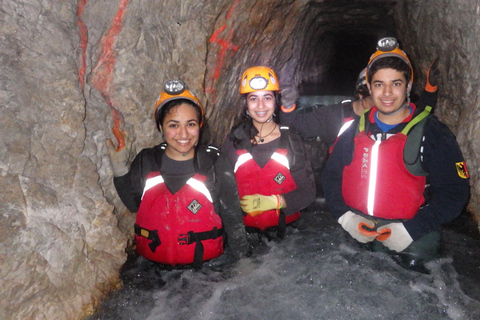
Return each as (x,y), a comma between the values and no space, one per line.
(274,176)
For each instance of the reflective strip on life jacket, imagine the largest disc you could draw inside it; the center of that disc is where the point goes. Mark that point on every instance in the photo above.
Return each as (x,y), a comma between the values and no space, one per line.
(152,182)
(200,187)
(280,158)
(194,183)
(275,156)
(344,127)
(373,178)
(242,159)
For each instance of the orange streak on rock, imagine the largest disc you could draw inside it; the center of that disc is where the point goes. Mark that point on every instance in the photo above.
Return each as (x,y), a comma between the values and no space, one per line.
(120,139)
(102,74)
(225,43)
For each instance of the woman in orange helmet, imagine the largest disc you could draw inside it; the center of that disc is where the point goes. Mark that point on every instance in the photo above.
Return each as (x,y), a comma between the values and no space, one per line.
(184,194)
(274,177)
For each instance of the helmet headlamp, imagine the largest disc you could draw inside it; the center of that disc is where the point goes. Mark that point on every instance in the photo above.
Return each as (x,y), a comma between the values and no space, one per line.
(258,78)
(177,89)
(387,44)
(258,83)
(388,47)
(174,87)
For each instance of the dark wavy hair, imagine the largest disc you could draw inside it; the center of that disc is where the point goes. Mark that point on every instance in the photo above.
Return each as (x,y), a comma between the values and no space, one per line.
(392,63)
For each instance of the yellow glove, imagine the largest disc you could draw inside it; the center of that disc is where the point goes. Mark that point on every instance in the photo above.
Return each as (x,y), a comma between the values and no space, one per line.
(256,204)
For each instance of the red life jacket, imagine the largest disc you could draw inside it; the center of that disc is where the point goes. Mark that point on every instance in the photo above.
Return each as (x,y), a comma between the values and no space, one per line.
(378,182)
(180,228)
(273,178)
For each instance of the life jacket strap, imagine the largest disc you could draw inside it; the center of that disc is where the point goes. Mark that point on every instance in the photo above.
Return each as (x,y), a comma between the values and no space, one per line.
(193,237)
(150,235)
(197,238)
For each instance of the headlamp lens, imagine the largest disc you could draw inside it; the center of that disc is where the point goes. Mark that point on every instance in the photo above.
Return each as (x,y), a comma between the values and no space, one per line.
(387,44)
(174,87)
(258,83)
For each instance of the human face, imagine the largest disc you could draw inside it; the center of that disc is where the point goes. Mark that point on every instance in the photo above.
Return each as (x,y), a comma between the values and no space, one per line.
(389,93)
(181,130)
(261,105)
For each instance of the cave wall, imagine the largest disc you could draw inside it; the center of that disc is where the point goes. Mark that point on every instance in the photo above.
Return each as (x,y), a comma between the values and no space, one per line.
(73,69)
(449,30)
(70,71)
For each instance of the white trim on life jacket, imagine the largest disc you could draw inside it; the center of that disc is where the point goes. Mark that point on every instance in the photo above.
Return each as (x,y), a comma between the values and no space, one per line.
(344,127)
(373,177)
(200,187)
(152,182)
(242,159)
(275,156)
(280,158)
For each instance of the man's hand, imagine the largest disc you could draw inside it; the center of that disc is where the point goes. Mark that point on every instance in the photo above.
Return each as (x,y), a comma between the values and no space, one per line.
(360,228)
(399,238)
(119,159)
(256,204)
(433,76)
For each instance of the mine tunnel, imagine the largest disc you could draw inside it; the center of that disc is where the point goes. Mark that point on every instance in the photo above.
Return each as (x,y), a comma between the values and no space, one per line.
(72,70)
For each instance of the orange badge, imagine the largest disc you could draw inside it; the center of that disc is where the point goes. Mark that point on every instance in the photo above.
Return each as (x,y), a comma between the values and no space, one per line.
(462,170)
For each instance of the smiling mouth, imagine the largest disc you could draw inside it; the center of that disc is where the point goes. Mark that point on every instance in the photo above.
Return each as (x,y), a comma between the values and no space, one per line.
(388,102)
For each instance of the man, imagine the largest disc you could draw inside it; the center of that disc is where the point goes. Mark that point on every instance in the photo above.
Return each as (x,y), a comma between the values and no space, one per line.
(397,173)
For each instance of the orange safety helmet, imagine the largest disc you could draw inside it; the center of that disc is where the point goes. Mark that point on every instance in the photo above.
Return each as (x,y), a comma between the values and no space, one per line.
(388,47)
(177,89)
(259,78)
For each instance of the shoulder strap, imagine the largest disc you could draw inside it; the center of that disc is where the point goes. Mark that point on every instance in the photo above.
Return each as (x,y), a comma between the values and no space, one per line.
(159,151)
(362,124)
(295,143)
(205,158)
(411,151)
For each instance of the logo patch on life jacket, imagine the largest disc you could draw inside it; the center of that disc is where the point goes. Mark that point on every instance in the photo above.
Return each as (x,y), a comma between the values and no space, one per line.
(462,170)
(194,206)
(279,178)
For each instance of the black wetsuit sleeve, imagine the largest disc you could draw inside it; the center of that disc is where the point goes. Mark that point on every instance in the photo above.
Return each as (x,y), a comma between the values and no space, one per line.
(323,122)
(229,205)
(332,174)
(122,185)
(427,98)
(130,186)
(448,191)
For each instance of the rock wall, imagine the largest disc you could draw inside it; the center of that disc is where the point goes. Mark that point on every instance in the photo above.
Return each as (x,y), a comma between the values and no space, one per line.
(71,70)
(60,246)
(449,30)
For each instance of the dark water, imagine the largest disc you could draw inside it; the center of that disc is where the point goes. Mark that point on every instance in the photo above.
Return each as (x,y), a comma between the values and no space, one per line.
(316,272)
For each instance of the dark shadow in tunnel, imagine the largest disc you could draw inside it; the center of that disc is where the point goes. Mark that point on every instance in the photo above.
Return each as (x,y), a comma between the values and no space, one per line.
(351,53)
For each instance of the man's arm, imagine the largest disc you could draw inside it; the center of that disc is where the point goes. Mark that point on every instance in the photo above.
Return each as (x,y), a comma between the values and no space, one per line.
(448,178)
(332,174)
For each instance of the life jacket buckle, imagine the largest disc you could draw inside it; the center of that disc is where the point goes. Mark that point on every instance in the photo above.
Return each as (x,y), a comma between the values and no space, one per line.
(183,239)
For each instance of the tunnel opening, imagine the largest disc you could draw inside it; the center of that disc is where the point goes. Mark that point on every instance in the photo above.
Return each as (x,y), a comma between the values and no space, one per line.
(350,54)
(343,36)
